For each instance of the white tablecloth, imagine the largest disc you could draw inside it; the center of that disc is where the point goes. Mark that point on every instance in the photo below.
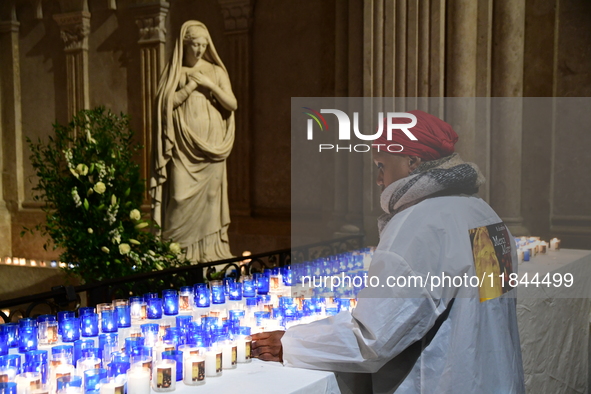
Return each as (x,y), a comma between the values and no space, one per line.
(266,377)
(554,330)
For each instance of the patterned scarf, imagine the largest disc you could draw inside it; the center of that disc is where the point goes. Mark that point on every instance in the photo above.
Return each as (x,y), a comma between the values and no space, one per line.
(445,176)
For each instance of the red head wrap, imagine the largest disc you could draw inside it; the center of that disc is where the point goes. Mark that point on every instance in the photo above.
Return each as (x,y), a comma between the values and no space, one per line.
(435,138)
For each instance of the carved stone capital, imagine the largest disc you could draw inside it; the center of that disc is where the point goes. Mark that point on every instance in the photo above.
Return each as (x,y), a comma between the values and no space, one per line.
(74,27)
(237,14)
(151,20)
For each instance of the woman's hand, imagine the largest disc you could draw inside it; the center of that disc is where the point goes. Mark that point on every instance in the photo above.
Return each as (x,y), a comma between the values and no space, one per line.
(201,80)
(267,346)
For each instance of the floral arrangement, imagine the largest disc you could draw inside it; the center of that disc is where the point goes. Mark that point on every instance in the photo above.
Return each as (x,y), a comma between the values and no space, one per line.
(92,192)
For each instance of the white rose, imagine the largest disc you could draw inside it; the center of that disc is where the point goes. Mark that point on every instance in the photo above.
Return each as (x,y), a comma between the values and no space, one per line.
(99,187)
(105,249)
(124,248)
(90,230)
(175,248)
(135,214)
(74,172)
(82,169)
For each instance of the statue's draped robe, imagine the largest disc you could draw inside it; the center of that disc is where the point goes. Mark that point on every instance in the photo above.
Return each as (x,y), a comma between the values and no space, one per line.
(194,137)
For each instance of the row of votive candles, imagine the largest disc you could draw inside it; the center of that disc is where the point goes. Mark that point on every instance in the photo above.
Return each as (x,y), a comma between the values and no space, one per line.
(20,261)
(198,348)
(529,247)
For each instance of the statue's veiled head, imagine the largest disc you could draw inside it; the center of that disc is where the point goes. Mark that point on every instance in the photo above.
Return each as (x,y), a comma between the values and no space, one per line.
(195,42)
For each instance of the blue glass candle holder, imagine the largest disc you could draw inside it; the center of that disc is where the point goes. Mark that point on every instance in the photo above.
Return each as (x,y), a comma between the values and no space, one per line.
(133,342)
(217,292)
(202,299)
(11,331)
(140,353)
(150,333)
(40,368)
(61,316)
(92,378)
(123,316)
(235,291)
(71,329)
(236,314)
(11,360)
(261,282)
(3,344)
(27,339)
(177,356)
(287,275)
(174,335)
(170,301)
(248,287)
(78,346)
(84,310)
(182,322)
(154,308)
(138,308)
(63,351)
(109,321)
(228,280)
(119,364)
(331,311)
(62,383)
(147,296)
(7,388)
(91,352)
(259,316)
(89,324)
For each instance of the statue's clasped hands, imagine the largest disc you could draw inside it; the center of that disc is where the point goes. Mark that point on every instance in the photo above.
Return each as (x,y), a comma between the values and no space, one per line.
(201,80)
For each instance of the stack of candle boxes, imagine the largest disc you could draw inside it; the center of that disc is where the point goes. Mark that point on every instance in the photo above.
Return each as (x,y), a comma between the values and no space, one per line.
(530,247)
(152,342)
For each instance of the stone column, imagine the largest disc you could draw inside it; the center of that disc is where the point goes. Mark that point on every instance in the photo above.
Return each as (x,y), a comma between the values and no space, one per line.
(506,133)
(237,23)
(150,18)
(11,182)
(75,28)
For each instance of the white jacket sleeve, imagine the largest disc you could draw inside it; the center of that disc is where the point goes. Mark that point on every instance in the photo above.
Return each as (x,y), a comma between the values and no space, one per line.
(385,322)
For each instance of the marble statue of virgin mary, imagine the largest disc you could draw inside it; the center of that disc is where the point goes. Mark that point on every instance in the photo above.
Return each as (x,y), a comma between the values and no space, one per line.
(193,136)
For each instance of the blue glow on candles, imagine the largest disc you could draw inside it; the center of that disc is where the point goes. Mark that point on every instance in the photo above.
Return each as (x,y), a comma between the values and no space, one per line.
(287,275)
(261,282)
(27,339)
(123,315)
(217,292)
(235,291)
(7,387)
(3,344)
(154,308)
(109,321)
(11,361)
(89,325)
(11,331)
(92,378)
(71,329)
(201,295)
(171,302)
(248,287)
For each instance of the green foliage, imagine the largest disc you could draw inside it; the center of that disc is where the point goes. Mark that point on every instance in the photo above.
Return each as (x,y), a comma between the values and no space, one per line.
(92,192)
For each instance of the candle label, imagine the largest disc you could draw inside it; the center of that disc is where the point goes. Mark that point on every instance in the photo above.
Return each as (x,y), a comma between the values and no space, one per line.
(169,349)
(234,354)
(274,283)
(247,353)
(218,363)
(4,378)
(55,363)
(162,330)
(198,371)
(143,312)
(194,352)
(120,389)
(51,334)
(163,377)
(135,334)
(184,302)
(35,383)
(268,308)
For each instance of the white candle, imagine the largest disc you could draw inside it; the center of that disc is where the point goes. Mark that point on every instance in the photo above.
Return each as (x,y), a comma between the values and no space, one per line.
(229,355)
(138,380)
(113,386)
(164,375)
(243,349)
(213,362)
(25,382)
(543,247)
(60,370)
(194,370)
(554,244)
(84,364)
(7,374)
